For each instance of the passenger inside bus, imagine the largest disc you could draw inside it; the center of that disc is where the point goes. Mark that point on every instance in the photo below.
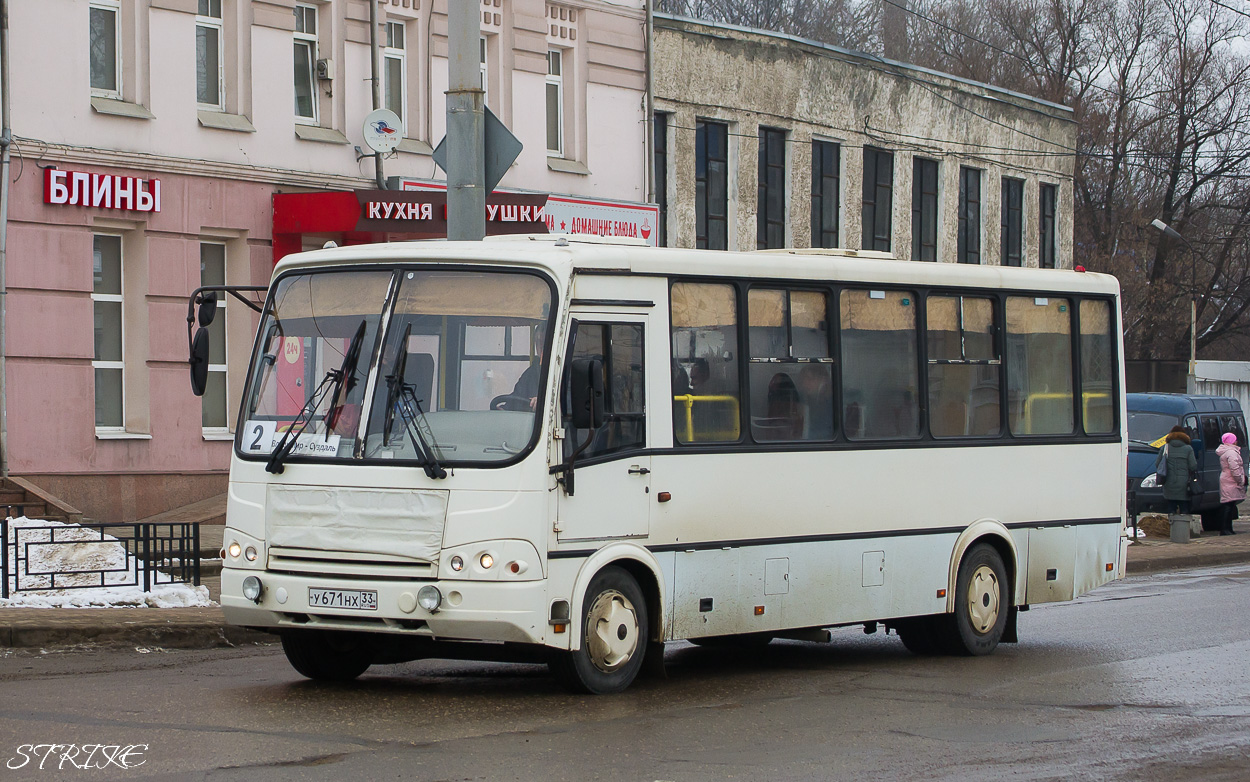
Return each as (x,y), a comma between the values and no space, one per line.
(816,394)
(527,384)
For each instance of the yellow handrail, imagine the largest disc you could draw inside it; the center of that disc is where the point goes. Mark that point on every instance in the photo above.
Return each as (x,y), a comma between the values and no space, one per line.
(688,400)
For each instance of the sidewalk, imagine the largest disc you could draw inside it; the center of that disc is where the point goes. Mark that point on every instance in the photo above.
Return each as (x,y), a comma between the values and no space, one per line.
(1151,555)
(203,628)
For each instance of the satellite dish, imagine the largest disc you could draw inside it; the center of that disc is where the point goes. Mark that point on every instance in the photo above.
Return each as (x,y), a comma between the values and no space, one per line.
(383,130)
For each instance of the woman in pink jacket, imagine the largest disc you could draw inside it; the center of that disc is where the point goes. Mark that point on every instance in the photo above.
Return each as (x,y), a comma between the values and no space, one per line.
(1232,481)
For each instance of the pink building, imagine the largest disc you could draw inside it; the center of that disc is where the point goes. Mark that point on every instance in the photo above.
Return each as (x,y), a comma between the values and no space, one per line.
(147,153)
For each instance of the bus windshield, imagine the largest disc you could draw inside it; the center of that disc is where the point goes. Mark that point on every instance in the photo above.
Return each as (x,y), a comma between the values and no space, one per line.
(457,378)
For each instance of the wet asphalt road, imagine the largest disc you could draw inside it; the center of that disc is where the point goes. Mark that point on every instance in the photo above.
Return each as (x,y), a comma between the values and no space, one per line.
(1145,679)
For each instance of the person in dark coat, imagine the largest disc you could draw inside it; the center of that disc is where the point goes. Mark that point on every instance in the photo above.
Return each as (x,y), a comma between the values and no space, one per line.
(1182,465)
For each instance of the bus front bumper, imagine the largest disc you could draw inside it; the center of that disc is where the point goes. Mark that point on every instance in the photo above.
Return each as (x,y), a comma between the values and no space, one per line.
(470,610)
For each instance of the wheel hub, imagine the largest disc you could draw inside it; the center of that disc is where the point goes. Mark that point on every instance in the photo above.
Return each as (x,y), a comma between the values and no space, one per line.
(983,599)
(611,631)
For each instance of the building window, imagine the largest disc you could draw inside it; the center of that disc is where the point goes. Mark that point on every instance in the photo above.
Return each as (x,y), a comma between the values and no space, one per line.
(659,148)
(924,207)
(878,198)
(1046,227)
(483,68)
(208,56)
(213,272)
(105,52)
(711,179)
(826,165)
(106,298)
(306,63)
(1013,222)
(394,68)
(771,190)
(969,242)
(555,103)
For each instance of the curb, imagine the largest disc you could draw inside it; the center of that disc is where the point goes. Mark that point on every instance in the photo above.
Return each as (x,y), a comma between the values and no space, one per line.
(207,636)
(1180,561)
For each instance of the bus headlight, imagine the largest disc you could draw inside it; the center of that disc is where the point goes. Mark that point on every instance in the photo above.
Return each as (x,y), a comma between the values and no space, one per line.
(235,549)
(252,589)
(1151,481)
(250,553)
(430,598)
(486,561)
(457,563)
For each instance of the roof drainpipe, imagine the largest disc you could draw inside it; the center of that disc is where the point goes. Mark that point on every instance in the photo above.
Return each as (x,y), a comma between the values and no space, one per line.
(648,167)
(6,140)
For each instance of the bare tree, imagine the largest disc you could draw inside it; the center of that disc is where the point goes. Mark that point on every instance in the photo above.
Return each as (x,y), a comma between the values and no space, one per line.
(1160,90)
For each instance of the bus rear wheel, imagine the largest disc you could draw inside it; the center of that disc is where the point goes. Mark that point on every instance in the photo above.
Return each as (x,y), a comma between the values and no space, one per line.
(613,636)
(922,635)
(982,603)
(326,656)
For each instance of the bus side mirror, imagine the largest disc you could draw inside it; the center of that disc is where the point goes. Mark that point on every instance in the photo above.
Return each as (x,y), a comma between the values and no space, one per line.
(199,361)
(208,308)
(586,393)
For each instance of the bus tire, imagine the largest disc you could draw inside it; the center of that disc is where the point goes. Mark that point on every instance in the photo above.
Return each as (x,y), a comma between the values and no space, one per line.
(981,603)
(922,636)
(614,636)
(326,656)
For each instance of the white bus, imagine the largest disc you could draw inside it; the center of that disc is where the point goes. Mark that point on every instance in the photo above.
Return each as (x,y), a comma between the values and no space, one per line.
(551,448)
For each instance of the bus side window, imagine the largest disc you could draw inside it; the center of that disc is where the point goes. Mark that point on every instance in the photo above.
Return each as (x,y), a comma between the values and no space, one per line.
(1097,374)
(620,347)
(880,380)
(1039,373)
(704,340)
(790,371)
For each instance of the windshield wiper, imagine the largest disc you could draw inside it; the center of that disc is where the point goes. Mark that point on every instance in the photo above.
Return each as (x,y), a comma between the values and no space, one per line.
(401,396)
(335,381)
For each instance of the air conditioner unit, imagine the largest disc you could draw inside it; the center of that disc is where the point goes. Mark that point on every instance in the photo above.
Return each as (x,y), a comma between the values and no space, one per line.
(325,69)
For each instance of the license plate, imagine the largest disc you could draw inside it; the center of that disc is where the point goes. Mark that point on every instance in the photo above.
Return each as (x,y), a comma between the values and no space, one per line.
(358,599)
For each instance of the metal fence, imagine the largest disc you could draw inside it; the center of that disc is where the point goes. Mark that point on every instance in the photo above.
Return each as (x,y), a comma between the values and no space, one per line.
(110,555)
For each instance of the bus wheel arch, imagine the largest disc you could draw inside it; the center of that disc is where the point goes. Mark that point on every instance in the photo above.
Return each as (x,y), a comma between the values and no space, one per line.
(612,629)
(638,563)
(992,533)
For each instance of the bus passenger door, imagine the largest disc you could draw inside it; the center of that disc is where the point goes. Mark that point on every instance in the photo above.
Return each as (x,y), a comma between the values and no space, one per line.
(612,473)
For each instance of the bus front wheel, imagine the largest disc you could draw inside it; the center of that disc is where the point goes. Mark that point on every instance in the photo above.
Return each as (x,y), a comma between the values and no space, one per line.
(613,636)
(325,655)
(981,603)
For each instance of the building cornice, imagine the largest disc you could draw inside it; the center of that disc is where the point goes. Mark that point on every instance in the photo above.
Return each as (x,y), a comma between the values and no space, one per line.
(990,92)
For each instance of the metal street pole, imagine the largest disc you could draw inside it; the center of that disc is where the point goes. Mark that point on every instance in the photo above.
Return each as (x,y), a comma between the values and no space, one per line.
(1191,382)
(466,126)
(377,85)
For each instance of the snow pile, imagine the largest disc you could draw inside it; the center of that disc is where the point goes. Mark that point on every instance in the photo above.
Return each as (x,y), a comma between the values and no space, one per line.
(78,556)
